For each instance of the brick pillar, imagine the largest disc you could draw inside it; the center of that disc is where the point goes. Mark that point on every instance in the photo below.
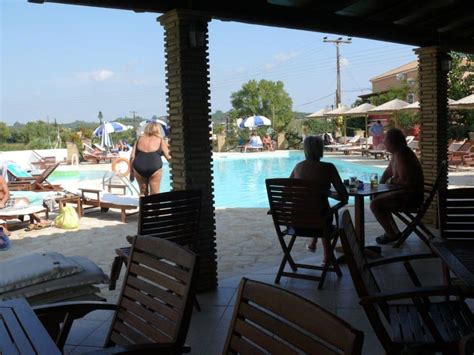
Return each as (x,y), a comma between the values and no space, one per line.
(433,83)
(187,79)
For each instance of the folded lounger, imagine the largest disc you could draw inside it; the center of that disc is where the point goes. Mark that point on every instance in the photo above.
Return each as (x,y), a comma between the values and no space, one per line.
(50,277)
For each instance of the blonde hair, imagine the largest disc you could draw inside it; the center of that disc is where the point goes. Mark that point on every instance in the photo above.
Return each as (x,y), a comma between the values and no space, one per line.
(152,129)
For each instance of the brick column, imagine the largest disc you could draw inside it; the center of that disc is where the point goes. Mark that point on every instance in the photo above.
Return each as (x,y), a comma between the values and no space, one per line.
(187,79)
(433,83)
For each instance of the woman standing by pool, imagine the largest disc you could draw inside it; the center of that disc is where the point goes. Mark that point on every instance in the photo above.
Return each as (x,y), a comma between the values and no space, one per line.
(323,175)
(145,159)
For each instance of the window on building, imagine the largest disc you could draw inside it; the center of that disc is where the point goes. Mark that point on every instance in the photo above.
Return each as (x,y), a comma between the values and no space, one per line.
(411,98)
(401,76)
(411,82)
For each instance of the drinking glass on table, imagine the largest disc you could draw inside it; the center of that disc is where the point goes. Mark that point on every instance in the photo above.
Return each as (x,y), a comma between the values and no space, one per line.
(374,179)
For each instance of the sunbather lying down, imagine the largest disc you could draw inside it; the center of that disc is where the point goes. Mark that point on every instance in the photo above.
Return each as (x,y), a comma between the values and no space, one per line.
(8,204)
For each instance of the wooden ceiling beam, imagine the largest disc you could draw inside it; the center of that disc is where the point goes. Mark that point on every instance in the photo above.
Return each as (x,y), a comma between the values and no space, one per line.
(262,13)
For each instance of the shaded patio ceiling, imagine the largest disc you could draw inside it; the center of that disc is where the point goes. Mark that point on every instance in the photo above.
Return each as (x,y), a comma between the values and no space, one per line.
(421,23)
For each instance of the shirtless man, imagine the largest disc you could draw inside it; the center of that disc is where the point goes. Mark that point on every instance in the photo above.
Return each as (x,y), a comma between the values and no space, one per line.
(405,170)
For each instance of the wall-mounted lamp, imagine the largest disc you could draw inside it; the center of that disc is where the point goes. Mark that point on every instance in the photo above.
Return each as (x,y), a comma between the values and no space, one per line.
(446,64)
(196,36)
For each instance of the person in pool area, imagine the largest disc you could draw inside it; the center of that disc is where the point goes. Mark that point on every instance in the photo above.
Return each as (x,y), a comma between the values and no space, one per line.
(323,175)
(405,170)
(145,159)
(268,143)
(7,201)
(376,131)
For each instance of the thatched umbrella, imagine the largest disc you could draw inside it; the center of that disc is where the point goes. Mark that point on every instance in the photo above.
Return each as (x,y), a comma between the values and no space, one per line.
(389,107)
(414,107)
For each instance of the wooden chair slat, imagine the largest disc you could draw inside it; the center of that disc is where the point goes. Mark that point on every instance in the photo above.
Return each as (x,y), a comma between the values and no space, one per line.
(395,325)
(152,303)
(268,319)
(460,226)
(454,218)
(117,338)
(152,319)
(408,333)
(460,203)
(156,277)
(129,333)
(416,326)
(156,292)
(460,193)
(240,345)
(291,335)
(255,335)
(131,321)
(161,266)
(455,234)
(180,256)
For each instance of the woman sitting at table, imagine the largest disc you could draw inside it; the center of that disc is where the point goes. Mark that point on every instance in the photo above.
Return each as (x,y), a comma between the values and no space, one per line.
(323,175)
(405,170)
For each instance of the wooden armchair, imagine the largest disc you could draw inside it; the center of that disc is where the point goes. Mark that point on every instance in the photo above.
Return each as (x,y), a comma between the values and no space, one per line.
(296,208)
(413,218)
(271,320)
(170,215)
(155,305)
(421,324)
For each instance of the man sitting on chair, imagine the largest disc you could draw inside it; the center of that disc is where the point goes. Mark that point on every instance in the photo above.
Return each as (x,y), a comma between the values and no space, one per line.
(405,170)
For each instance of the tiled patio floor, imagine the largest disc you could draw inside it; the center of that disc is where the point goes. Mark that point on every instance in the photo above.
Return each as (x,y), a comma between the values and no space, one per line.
(209,327)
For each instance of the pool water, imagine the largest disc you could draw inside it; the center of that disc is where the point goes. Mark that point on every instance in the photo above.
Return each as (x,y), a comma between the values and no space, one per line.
(239,182)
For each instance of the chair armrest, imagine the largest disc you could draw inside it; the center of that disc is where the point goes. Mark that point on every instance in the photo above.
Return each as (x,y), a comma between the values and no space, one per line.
(138,349)
(73,308)
(336,208)
(401,258)
(417,292)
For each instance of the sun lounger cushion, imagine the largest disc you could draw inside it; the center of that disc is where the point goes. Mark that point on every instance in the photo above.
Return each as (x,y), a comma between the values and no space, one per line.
(69,294)
(119,199)
(87,274)
(35,268)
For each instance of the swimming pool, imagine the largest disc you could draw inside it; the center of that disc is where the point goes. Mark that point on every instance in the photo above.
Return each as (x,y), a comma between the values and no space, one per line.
(239,182)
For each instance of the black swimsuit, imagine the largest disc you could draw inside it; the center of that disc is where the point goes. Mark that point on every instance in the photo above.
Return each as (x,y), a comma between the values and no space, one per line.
(147,163)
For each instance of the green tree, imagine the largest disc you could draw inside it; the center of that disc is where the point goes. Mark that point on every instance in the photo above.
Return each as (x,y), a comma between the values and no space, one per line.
(266,98)
(4,132)
(460,81)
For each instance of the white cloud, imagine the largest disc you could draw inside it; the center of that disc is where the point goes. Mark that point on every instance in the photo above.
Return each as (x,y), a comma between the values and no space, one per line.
(344,62)
(98,75)
(241,70)
(286,56)
(269,66)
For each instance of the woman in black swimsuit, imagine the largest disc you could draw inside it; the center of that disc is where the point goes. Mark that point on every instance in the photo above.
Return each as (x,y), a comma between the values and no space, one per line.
(145,159)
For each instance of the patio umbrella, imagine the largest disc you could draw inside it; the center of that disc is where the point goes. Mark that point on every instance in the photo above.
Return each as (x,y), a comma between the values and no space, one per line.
(359,111)
(416,106)
(164,126)
(319,113)
(255,121)
(466,103)
(339,112)
(109,127)
(389,107)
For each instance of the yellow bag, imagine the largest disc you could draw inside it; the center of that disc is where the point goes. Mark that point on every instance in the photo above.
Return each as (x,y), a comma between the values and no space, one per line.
(67,218)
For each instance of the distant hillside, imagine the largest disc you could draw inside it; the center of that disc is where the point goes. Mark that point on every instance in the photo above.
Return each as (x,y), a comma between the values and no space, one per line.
(301,115)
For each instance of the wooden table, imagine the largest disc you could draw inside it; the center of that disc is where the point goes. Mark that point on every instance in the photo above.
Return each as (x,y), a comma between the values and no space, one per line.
(359,222)
(458,257)
(62,201)
(21,332)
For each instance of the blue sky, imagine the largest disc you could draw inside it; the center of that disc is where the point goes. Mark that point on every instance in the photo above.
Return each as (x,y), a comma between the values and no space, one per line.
(69,62)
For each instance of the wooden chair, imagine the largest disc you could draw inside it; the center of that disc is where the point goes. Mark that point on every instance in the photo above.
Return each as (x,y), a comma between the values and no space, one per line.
(170,215)
(296,208)
(155,305)
(412,218)
(421,324)
(271,320)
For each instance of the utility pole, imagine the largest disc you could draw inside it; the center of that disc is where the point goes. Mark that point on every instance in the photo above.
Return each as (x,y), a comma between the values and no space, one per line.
(337,43)
(133,113)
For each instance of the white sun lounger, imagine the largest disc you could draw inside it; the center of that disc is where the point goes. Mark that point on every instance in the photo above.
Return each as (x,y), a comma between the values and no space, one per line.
(95,198)
(19,213)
